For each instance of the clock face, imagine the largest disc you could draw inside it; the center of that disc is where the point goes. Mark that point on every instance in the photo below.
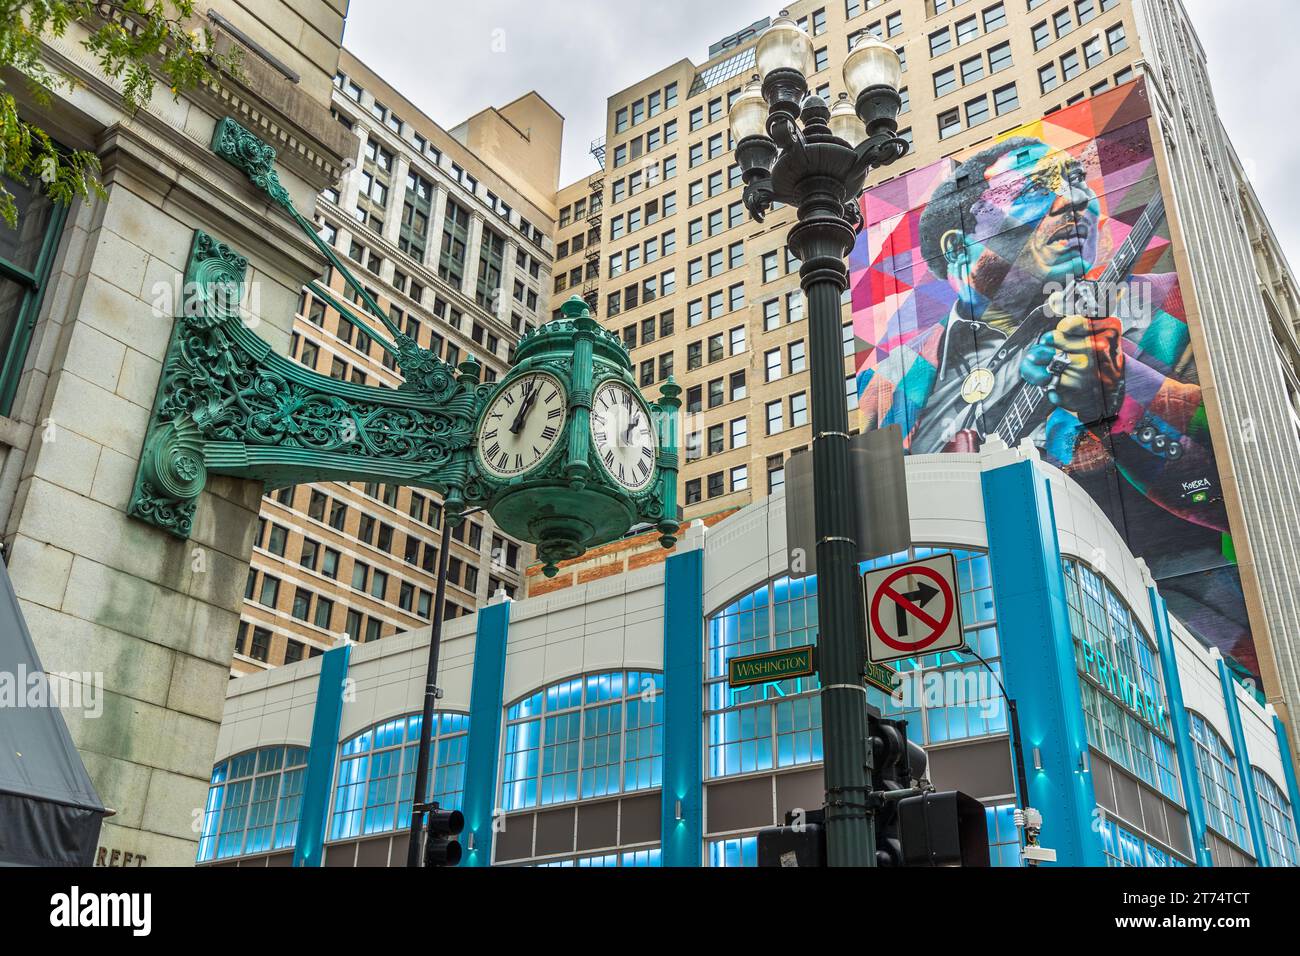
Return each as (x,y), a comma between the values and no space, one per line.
(623,436)
(522,425)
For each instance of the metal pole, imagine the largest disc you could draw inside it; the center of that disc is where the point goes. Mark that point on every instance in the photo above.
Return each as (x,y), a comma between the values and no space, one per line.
(1013,714)
(822,238)
(430,693)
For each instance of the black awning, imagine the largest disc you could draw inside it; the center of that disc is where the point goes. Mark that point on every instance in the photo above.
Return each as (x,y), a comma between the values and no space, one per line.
(49,810)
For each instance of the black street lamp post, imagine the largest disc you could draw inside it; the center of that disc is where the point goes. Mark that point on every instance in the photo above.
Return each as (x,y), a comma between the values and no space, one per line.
(794,149)
(431,693)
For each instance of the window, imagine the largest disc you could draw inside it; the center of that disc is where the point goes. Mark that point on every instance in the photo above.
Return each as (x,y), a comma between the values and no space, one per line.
(26,258)
(977,111)
(740,478)
(1116,39)
(972,70)
(1000,57)
(376,774)
(775,417)
(455,237)
(270,591)
(1047,78)
(1220,788)
(1041,34)
(799,410)
(1278,820)
(1070,67)
(253,804)
(798,357)
(583,738)
(945,81)
(772,365)
(1005,99)
(739,432)
(949,123)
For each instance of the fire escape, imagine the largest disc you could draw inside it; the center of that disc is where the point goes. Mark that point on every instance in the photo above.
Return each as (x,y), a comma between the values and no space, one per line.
(595,219)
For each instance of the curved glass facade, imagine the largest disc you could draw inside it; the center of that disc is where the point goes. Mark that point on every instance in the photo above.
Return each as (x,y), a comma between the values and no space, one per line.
(586,737)
(1279,822)
(770,726)
(1220,788)
(1124,704)
(253,803)
(375,780)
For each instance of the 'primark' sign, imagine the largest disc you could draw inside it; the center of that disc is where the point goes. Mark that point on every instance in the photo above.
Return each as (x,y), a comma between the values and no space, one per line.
(1107,673)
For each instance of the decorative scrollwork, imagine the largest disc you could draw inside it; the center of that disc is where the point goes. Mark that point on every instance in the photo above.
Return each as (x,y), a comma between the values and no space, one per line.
(221,383)
(235,144)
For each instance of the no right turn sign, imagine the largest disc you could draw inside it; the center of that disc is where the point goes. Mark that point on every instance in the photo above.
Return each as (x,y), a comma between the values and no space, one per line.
(912,609)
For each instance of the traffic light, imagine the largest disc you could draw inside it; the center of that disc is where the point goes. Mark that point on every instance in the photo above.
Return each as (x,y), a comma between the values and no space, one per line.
(943,829)
(801,842)
(441,848)
(896,764)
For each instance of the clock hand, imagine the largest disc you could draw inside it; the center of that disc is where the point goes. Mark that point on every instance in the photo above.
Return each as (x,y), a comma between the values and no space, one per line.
(518,423)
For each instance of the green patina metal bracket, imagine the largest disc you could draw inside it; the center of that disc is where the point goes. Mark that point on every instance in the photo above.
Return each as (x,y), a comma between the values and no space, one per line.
(228,404)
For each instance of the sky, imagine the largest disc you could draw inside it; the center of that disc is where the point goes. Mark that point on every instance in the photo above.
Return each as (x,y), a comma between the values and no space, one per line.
(575,53)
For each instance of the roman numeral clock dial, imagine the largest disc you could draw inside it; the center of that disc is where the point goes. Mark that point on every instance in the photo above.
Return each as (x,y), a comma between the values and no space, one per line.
(522,425)
(624,436)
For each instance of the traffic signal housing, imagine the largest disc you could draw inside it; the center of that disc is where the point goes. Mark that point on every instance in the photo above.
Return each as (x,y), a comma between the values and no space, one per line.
(801,842)
(441,848)
(896,764)
(943,829)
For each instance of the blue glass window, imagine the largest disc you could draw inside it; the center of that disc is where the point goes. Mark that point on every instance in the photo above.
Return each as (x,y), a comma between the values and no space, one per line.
(253,803)
(375,782)
(1100,617)
(734,851)
(1279,823)
(582,738)
(1220,788)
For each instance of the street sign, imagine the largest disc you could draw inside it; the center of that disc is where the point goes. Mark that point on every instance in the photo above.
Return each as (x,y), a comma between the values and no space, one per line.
(771,666)
(880,676)
(879,479)
(912,609)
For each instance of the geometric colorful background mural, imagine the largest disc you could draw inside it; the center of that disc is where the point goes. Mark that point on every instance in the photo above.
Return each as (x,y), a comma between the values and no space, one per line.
(1027,289)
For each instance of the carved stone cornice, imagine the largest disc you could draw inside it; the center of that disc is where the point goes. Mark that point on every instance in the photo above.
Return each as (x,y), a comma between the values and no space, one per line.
(310,144)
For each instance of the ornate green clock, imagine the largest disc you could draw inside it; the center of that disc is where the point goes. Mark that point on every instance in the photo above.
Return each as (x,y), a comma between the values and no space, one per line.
(563,452)
(568,454)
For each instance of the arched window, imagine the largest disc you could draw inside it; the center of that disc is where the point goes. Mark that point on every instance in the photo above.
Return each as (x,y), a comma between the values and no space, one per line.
(253,803)
(1279,823)
(1120,669)
(582,738)
(767,726)
(376,775)
(1220,787)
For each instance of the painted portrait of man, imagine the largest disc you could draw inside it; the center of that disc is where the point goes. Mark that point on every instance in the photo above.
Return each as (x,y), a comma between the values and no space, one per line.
(1028,290)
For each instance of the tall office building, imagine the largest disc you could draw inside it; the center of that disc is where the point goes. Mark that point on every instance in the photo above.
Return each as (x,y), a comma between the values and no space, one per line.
(450,232)
(700,292)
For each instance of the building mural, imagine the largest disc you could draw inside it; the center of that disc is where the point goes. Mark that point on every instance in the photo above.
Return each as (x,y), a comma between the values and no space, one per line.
(1028,289)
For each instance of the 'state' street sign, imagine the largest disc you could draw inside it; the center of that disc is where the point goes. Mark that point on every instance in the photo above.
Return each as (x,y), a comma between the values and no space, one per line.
(912,609)
(771,666)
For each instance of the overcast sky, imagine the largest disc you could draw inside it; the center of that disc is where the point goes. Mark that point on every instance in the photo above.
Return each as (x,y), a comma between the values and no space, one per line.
(575,53)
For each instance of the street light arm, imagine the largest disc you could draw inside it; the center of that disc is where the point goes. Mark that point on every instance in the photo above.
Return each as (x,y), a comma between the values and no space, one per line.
(758,198)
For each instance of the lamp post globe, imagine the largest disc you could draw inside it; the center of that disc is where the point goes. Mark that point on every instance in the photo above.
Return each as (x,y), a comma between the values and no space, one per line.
(785,46)
(873,75)
(816,158)
(845,123)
